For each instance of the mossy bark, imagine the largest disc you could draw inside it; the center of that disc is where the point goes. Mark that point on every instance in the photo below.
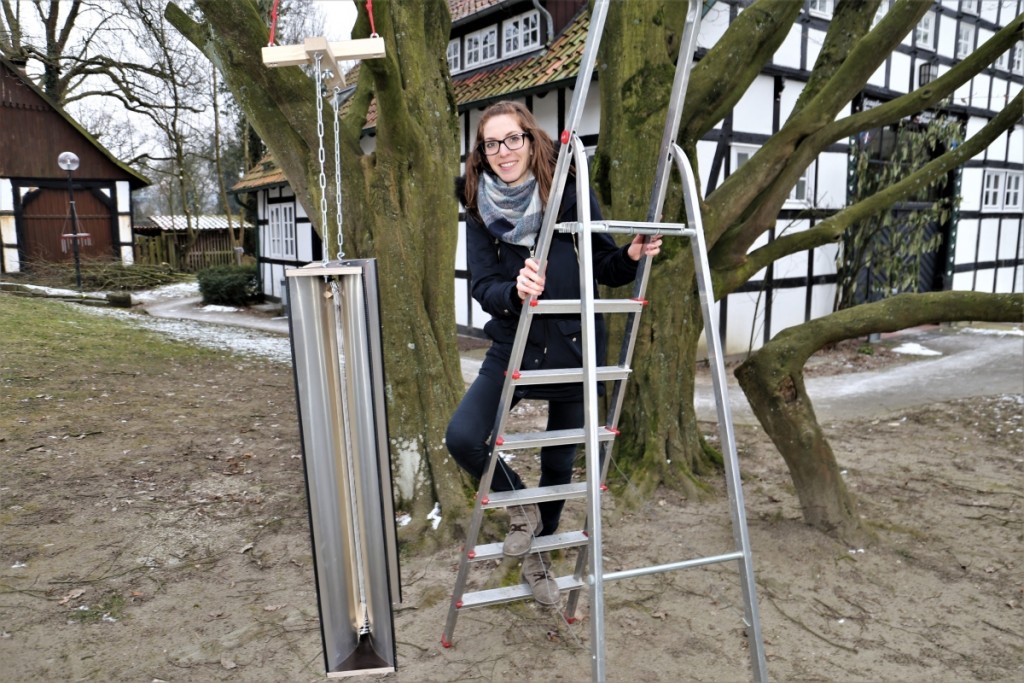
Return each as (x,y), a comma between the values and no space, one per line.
(773,382)
(399,206)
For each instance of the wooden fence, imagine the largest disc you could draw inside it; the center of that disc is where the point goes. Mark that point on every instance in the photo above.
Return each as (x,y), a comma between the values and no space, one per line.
(211,248)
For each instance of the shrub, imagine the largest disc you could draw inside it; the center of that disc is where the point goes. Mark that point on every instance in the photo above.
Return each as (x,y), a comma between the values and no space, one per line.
(229,285)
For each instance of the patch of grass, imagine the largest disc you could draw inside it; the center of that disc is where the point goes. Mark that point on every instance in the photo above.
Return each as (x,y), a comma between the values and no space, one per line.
(866,349)
(111,608)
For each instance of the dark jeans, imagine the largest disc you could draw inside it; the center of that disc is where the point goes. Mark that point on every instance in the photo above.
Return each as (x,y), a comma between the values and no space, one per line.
(469,433)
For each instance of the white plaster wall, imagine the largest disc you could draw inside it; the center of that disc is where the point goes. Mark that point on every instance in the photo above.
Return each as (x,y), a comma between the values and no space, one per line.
(6,195)
(1009,238)
(713,25)
(746,310)
(788,97)
(989,239)
(985,280)
(124,229)
(1016,146)
(823,299)
(787,308)
(990,10)
(1004,281)
(982,86)
(788,53)
(815,39)
(124,196)
(705,158)
(753,112)
(900,74)
(304,242)
(545,110)
(946,45)
(590,121)
(830,190)
(962,282)
(970,188)
(966,241)
(127,255)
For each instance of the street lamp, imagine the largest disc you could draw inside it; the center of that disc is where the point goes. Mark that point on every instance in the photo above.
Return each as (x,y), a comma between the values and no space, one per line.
(68,161)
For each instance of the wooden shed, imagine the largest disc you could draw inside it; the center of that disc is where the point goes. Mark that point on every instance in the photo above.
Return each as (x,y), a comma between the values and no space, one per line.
(35,216)
(192,243)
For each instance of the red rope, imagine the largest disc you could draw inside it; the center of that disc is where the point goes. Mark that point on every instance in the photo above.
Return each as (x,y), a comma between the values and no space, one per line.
(273,22)
(369,12)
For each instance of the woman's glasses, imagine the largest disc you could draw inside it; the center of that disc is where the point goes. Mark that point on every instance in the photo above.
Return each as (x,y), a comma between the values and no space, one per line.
(512,142)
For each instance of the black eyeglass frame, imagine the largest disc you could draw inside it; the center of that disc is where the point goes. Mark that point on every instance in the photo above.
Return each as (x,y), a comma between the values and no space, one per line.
(525,135)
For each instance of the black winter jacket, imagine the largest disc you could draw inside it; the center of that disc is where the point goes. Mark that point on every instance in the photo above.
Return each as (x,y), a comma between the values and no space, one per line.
(554,341)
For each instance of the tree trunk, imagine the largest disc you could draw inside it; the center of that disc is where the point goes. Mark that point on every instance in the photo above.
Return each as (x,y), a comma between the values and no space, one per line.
(772,379)
(660,439)
(399,207)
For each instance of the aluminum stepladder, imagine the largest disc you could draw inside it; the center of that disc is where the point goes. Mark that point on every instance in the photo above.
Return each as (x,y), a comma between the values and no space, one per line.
(595,436)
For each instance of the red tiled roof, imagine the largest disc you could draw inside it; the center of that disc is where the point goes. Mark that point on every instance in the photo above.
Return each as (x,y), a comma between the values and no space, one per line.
(461,9)
(265,173)
(558,63)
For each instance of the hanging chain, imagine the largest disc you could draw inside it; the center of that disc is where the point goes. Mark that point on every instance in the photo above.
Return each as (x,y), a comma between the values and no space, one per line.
(336,102)
(321,156)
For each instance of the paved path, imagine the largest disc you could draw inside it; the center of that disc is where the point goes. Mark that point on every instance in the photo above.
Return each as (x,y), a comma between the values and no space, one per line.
(973,362)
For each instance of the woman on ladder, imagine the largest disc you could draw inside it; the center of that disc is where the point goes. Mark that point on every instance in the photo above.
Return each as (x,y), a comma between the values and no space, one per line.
(509,174)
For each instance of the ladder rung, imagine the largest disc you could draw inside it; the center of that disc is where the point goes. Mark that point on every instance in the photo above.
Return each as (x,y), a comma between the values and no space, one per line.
(572,306)
(541,544)
(630,228)
(502,499)
(604,373)
(555,437)
(495,596)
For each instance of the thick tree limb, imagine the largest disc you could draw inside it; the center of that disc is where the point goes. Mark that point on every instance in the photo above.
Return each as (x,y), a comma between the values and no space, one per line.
(773,382)
(734,243)
(832,228)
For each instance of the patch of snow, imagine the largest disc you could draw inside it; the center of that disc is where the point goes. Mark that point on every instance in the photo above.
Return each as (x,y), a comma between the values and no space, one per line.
(242,340)
(1009,332)
(435,515)
(55,291)
(214,308)
(912,349)
(403,519)
(178,290)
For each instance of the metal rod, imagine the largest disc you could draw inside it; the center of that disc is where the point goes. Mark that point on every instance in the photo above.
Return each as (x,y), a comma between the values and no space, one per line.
(672,566)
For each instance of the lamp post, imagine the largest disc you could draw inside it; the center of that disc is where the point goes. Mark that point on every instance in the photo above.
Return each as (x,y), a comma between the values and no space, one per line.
(69,162)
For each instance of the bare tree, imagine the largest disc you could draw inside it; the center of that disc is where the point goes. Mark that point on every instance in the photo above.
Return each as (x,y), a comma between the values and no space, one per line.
(661,437)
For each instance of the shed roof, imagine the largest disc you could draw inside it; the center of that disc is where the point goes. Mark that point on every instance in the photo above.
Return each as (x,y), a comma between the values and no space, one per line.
(34,123)
(180,222)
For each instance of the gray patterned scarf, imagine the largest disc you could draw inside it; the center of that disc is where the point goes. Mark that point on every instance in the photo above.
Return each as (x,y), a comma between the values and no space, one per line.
(512,213)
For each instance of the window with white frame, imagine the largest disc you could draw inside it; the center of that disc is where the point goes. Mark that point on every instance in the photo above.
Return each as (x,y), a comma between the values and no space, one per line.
(1012,195)
(969,6)
(454,56)
(740,155)
(522,33)
(924,32)
(821,8)
(801,194)
(1017,59)
(1002,60)
(281,231)
(481,47)
(964,39)
(991,196)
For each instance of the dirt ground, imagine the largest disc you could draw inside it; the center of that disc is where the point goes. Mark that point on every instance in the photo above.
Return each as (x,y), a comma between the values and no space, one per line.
(154,528)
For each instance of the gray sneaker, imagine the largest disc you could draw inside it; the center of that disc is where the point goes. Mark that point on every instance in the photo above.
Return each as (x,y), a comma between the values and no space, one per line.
(523,525)
(537,573)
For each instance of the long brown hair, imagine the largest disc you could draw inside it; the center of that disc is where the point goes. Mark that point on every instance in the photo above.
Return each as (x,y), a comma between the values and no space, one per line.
(542,161)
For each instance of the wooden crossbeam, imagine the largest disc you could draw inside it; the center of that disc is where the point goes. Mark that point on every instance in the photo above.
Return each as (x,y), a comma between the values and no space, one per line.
(333,52)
